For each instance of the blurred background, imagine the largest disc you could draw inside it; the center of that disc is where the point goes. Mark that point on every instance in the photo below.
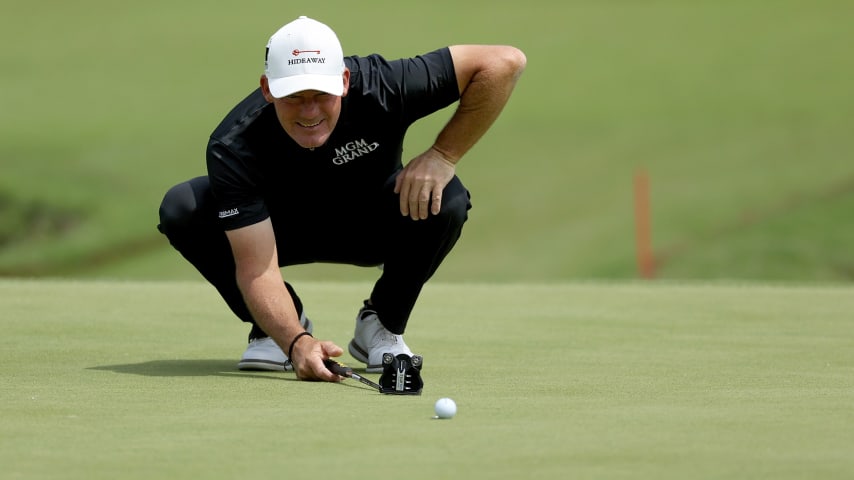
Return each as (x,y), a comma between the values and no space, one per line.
(739,114)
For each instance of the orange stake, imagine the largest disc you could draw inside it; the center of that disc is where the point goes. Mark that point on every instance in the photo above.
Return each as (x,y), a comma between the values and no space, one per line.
(643,226)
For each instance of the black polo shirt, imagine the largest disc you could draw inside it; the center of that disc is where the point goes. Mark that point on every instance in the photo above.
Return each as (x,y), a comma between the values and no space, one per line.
(257,170)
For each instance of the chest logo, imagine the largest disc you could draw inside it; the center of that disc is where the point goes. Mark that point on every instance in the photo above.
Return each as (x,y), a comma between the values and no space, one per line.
(352,150)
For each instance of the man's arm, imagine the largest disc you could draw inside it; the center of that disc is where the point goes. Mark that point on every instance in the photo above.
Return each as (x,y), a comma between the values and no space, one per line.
(260,281)
(486,75)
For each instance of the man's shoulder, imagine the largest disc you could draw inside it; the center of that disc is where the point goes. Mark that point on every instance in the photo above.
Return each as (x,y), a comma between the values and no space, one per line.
(246,114)
(412,86)
(377,77)
(376,63)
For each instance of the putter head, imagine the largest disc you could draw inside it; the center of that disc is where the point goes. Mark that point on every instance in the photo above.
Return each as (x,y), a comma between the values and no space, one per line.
(401,374)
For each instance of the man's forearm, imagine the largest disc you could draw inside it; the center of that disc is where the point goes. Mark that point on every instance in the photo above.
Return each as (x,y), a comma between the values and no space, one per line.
(272,307)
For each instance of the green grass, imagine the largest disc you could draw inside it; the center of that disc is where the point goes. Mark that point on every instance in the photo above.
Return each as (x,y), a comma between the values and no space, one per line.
(732,107)
(580,380)
(740,111)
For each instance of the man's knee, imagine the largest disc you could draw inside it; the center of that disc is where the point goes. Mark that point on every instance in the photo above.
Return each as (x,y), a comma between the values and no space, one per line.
(456,202)
(180,207)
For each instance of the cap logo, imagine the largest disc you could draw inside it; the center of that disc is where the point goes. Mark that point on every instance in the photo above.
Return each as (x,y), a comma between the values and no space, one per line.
(304,55)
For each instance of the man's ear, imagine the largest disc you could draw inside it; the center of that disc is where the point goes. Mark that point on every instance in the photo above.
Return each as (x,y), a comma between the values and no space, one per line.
(346,79)
(265,89)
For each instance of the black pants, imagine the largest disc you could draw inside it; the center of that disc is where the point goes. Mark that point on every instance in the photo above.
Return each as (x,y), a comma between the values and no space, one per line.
(410,251)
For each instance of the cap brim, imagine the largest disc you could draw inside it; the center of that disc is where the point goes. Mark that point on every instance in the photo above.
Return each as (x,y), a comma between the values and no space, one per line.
(282,87)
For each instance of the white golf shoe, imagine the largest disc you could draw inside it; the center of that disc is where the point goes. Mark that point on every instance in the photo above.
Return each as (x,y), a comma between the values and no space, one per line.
(264,354)
(371,340)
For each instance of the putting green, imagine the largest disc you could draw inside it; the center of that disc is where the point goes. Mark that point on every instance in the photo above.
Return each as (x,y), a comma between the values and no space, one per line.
(586,380)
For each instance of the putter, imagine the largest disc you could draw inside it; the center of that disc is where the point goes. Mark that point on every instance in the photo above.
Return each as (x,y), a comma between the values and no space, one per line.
(401,374)
(345,371)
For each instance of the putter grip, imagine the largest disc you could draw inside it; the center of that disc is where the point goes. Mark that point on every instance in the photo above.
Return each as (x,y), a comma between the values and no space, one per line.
(337,368)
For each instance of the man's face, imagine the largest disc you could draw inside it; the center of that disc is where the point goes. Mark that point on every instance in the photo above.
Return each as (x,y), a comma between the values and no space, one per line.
(309,116)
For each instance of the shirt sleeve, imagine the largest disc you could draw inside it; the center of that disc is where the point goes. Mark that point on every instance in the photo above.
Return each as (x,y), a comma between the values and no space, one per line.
(429,84)
(237,199)
(414,87)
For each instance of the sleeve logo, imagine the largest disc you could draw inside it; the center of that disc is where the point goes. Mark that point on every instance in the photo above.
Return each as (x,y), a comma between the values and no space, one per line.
(228,213)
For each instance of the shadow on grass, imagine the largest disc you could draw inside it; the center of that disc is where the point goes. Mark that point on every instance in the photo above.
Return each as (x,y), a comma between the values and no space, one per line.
(206,368)
(189,368)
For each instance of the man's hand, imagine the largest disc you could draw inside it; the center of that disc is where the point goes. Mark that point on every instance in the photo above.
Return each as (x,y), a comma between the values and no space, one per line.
(308,357)
(421,182)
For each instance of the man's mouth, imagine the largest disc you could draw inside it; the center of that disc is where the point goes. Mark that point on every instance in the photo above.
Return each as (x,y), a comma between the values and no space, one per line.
(309,125)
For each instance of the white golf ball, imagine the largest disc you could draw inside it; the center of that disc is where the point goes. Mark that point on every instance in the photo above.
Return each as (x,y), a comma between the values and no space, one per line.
(445,408)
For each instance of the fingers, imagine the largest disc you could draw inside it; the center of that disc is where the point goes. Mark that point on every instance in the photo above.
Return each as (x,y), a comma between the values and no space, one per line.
(402,188)
(419,202)
(411,197)
(314,369)
(308,360)
(429,200)
(331,350)
(418,199)
(436,205)
(420,183)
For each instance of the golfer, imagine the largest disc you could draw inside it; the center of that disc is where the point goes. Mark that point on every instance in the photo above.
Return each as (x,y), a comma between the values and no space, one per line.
(308,168)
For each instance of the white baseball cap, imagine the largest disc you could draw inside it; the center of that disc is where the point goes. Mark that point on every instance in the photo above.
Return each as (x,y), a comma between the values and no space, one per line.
(304,55)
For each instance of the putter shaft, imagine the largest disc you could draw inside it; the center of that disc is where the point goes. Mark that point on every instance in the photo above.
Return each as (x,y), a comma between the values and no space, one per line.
(364,380)
(345,371)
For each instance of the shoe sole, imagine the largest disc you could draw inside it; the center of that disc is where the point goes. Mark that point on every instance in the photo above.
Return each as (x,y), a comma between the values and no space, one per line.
(361,355)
